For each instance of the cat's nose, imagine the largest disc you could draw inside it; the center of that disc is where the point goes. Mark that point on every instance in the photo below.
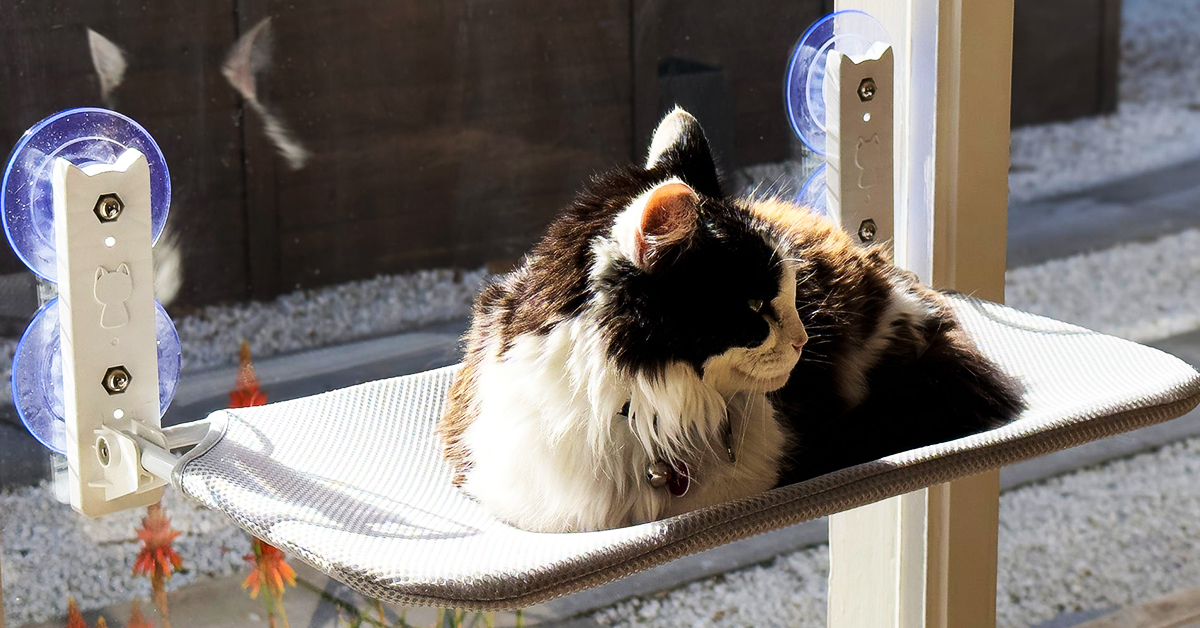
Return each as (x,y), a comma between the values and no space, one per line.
(800,341)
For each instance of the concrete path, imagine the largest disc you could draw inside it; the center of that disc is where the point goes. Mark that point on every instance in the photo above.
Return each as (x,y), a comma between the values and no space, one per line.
(1140,208)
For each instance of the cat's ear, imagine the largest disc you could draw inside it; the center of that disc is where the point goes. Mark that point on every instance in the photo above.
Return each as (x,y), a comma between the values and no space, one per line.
(680,148)
(668,220)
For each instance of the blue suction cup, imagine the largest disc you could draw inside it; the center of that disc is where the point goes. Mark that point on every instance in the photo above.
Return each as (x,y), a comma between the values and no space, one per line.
(850,32)
(37,377)
(82,136)
(815,195)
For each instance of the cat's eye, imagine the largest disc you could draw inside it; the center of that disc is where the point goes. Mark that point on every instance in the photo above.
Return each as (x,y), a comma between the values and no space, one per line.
(755,304)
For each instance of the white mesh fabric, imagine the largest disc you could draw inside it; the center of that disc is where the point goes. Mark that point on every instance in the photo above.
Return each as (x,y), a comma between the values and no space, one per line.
(352,480)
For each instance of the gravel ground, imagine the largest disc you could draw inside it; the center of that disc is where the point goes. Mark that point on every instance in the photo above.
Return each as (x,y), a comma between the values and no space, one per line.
(1138,138)
(1142,292)
(1122,533)
(306,319)
(1158,118)
(49,552)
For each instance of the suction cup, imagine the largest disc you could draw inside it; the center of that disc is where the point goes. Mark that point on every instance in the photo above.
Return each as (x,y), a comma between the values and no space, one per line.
(37,377)
(850,32)
(82,136)
(815,195)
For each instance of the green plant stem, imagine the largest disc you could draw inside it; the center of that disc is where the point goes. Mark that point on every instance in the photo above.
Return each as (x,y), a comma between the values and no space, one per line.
(158,590)
(282,611)
(266,600)
(351,609)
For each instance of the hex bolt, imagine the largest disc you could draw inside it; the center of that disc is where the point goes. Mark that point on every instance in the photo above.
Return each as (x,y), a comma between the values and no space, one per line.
(866,89)
(866,231)
(116,380)
(109,207)
(102,451)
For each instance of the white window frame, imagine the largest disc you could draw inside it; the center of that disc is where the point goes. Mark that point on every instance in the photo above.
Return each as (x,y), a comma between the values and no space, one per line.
(928,558)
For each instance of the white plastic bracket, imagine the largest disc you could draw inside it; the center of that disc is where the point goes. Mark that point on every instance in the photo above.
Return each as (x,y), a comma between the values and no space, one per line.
(109,348)
(859,95)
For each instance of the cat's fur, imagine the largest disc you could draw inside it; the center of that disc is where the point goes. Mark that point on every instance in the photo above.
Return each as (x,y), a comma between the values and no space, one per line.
(654,289)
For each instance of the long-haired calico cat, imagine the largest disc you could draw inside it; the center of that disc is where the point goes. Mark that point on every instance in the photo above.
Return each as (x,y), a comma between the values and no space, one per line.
(665,347)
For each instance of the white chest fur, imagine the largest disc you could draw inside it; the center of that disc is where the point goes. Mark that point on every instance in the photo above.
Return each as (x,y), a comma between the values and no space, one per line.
(550,451)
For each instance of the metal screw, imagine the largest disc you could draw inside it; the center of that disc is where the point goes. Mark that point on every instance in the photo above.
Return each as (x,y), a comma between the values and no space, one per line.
(116,380)
(109,207)
(866,231)
(102,452)
(866,89)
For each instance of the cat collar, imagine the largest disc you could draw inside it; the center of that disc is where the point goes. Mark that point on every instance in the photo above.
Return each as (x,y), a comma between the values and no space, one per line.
(674,476)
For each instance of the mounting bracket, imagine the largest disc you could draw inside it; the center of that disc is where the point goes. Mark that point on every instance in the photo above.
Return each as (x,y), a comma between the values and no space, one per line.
(859,94)
(108,343)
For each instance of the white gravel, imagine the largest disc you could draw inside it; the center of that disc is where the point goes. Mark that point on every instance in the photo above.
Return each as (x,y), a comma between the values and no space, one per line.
(1070,156)
(1142,292)
(1158,117)
(307,319)
(48,552)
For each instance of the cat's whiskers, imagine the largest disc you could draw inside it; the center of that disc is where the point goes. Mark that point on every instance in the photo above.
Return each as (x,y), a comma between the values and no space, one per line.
(745,421)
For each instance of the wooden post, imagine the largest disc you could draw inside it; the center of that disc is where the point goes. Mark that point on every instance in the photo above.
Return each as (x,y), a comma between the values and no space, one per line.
(928,559)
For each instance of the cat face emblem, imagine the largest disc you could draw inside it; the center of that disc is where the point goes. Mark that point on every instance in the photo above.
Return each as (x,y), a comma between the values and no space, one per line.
(112,290)
(866,155)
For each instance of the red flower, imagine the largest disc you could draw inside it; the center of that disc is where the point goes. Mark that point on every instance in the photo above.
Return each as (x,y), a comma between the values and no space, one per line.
(270,570)
(157,558)
(245,392)
(74,617)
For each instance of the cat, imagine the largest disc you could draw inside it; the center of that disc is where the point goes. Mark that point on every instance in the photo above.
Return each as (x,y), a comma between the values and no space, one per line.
(665,347)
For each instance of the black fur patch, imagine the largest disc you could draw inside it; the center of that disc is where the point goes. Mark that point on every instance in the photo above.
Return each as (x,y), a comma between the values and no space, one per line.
(697,306)
(694,304)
